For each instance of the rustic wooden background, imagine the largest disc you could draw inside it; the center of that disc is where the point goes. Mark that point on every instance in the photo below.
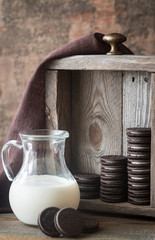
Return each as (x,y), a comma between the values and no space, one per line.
(30,29)
(96,106)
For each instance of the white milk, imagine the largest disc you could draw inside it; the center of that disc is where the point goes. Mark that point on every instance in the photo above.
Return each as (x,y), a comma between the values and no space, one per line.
(38,192)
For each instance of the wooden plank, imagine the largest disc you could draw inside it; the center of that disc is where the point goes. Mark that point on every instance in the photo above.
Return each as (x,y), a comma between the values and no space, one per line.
(116,208)
(110,228)
(136,102)
(51,86)
(153,144)
(104,62)
(63,105)
(58,100)
(96,118)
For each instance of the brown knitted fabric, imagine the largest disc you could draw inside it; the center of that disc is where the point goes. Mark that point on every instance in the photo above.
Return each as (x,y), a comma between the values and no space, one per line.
(31,111)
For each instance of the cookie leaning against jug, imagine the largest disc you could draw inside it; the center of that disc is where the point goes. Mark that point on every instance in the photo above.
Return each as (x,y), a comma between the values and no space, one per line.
(113,186)
(89,185)
(138,153)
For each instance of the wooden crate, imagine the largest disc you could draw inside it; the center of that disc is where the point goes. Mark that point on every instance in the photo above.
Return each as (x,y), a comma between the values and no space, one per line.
(95,98)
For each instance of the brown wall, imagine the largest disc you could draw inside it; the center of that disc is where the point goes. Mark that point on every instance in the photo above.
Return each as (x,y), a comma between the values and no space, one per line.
(30,29)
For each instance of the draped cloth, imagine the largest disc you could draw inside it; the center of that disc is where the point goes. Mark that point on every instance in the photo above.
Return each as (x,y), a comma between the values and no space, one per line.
(31,111)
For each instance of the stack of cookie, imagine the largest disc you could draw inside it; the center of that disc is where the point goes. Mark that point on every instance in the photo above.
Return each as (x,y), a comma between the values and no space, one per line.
(113,186)
(139,147)
(89,185)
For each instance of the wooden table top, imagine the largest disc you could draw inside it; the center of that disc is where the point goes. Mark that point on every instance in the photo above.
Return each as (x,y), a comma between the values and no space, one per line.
(111,228)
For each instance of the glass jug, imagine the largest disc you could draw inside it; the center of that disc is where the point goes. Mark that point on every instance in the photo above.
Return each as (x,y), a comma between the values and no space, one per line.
(44,179)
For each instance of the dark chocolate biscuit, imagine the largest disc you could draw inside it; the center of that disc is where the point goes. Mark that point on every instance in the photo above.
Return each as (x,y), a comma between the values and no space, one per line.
(89,188)
(118,182)
(113,175)
(46,221)
(139,147)
(138,171)
(138,155)
(113,189)
(113,157)
(89,185)
(89,195)
(138,163)
(87,178)
(137,140)
(113,199)
(69,222)
(138,178)
(138,201)
(113,193)
(90,225)
(138,193)
(113,169)
(117,177)
(142,193)
(113,160)
(138,132)
(138,185)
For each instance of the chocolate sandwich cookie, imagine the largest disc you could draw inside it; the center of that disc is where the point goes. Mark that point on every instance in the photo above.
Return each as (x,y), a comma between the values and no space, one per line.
(69,222)
(138,190)
(89,188)
(138,178)
(112,199)
(139,140)
(138,163)
(89,195)
(139,193)
(138,185)
(113,169)
(138,171)
(118,182)
(113,193)
(46,221)
(90,225)
(139,147)
(138,155)
(113,160)
(113,176)
(139,201)
(113,189)
(89,185)
(87,178)
(138,132)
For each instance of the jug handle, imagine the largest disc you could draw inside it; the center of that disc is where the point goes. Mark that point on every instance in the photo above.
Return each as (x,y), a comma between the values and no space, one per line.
(5,155)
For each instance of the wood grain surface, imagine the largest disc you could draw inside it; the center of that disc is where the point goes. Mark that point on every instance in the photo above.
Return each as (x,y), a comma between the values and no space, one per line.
(96,117)
(117,208)
(51,89)
(110,228)
(136,106)
(106,62)
(58,105)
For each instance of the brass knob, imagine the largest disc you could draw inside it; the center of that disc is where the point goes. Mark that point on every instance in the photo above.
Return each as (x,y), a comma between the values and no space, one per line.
(114,40)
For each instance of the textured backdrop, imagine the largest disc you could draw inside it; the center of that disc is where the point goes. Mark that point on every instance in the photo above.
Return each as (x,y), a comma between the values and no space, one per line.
(30,29)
